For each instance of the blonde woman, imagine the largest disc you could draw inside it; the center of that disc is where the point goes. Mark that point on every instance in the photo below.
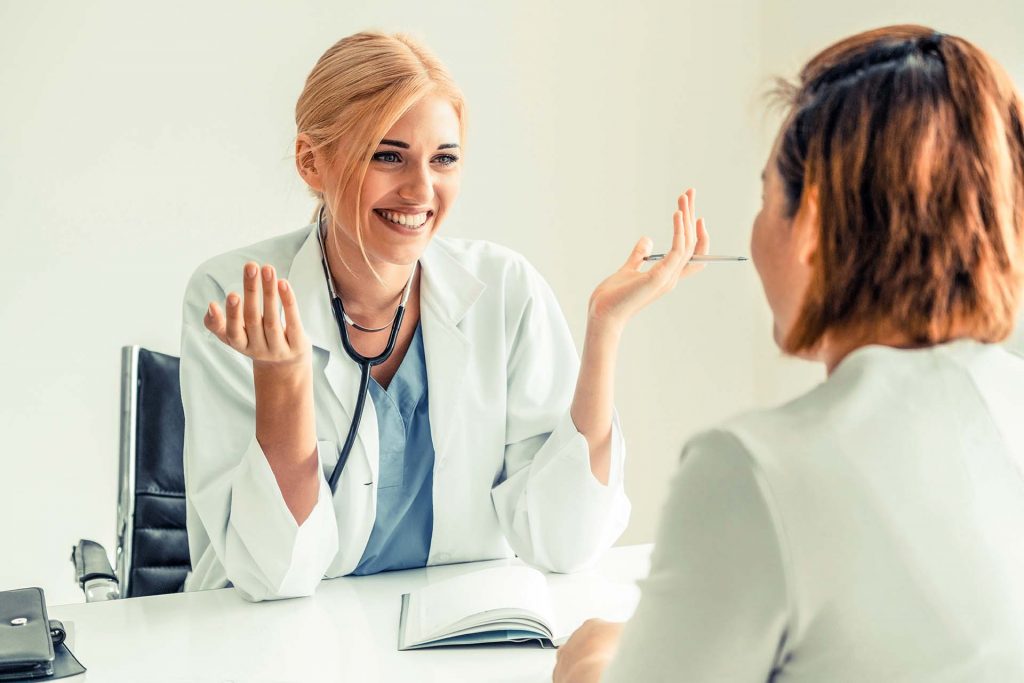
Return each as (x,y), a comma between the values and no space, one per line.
(869,530)
(465,441)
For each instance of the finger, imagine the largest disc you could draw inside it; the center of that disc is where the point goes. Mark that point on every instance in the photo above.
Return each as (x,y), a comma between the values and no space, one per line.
(272,328)
(703,238)
(686,203)
(235,327)
(703,247)
(639,253)
(293,331)
(674,256)
(690,225)
(215,322)
(557,676)
(251,307)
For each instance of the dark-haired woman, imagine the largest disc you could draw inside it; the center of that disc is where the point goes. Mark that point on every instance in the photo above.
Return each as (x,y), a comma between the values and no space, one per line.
(871,529)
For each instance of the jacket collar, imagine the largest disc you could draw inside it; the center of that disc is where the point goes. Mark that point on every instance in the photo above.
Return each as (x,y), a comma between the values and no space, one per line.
(308,282)
(447,290)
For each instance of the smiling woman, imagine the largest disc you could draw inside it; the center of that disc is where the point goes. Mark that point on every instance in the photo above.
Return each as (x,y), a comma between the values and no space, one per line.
(477,445)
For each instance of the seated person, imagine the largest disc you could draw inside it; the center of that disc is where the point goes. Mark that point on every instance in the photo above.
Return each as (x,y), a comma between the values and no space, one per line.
(869,530)
(473,443)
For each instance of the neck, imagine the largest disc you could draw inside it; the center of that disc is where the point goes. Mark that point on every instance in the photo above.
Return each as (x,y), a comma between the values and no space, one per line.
(834,348)
(369,300)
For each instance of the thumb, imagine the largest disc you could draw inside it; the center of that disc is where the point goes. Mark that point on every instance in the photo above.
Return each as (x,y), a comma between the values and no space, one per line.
(640,251)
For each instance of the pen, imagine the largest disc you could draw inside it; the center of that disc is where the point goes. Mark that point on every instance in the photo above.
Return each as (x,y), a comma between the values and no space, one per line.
(697,258)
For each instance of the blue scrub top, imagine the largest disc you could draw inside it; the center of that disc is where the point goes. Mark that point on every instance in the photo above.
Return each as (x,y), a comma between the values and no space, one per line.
(405,503)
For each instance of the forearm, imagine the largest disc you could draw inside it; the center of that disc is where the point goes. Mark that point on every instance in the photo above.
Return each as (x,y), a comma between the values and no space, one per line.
(593,402)
(286,431)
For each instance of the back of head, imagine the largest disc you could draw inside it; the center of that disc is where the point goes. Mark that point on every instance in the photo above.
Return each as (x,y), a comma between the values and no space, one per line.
(914,143)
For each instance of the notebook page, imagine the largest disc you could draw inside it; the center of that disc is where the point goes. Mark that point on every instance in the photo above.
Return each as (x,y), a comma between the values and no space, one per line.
(440,606)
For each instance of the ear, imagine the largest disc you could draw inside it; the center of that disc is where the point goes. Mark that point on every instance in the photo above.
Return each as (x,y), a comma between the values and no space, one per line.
(807,226)
(306,162)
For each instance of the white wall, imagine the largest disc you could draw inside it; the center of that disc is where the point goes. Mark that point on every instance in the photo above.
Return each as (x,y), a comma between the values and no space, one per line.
(135,143)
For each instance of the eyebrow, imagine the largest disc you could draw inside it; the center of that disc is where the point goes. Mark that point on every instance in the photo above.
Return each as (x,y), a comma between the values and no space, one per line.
(405,145)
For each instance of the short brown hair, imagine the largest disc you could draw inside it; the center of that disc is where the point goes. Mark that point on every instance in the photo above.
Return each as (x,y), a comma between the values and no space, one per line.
(914,142)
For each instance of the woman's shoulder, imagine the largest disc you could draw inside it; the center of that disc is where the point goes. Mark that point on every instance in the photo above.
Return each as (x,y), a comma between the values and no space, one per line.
(876,395)
(223,273)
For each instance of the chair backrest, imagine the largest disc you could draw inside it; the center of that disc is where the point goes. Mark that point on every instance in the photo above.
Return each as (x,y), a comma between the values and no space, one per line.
(152,545)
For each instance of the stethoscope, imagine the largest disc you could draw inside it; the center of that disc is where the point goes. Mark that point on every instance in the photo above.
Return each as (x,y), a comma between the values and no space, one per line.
(342,319)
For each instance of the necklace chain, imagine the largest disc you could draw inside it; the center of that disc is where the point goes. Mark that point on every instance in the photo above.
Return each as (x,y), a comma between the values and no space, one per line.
(330,283)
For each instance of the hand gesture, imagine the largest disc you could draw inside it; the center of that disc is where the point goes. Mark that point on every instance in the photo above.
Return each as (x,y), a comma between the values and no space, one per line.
(629,289)
(253,325)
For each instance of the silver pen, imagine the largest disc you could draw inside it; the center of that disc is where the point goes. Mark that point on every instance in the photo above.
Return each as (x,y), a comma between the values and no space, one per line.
(698,258)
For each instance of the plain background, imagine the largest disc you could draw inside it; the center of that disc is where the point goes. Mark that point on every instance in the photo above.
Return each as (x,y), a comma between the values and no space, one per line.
(139,139)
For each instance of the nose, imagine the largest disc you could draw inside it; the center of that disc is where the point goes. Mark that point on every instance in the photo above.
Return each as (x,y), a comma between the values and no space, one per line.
(417,185)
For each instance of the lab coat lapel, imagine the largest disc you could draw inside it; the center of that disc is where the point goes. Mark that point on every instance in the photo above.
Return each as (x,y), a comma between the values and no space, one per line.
(307,279)
(447,291)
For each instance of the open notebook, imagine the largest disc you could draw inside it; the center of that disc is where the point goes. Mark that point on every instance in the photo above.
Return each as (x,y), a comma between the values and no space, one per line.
(508,604)
(501,604)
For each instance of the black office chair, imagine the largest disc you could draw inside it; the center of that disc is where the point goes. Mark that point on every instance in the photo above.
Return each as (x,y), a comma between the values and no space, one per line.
(152,545)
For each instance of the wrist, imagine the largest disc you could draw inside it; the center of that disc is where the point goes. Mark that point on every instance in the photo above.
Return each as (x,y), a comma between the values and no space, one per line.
(603,330)
(281,379)
(285,372)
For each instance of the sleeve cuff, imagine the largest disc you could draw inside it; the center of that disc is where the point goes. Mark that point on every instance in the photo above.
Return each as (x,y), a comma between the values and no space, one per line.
(293,558)
(567,440)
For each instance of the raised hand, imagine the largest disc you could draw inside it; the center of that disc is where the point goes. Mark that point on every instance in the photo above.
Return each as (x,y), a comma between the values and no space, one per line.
(253,324)
(629,289)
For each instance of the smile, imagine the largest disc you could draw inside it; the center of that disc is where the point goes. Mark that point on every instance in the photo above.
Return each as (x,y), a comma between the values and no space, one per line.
(412,221)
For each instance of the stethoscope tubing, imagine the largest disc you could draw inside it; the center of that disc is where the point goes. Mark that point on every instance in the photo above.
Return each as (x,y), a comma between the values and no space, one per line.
(364,380)
(338,308)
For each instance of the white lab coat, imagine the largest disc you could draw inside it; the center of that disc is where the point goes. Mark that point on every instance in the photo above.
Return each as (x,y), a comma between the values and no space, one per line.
(511,472)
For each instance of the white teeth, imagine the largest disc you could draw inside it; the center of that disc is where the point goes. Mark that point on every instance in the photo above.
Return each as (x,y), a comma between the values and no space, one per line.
(408,220)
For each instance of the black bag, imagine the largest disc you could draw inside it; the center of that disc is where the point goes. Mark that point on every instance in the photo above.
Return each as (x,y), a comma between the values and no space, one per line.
(26,646)
(30,642)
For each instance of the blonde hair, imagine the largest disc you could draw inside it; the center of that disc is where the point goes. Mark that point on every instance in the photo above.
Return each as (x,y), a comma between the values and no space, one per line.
(358,89)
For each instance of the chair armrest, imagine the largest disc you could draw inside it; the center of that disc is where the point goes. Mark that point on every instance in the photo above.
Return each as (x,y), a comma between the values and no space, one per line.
(93,572)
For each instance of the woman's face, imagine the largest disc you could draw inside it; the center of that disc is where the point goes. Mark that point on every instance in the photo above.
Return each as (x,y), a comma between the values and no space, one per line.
(782,248)
(411,183)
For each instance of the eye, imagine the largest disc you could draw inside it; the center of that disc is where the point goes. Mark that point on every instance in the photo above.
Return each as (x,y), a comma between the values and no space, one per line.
(387,157)
(446,159)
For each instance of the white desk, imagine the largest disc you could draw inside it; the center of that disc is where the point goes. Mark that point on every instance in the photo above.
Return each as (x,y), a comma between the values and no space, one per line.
(348,631)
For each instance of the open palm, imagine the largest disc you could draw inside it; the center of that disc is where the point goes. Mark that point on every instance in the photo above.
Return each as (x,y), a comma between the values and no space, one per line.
(629,289)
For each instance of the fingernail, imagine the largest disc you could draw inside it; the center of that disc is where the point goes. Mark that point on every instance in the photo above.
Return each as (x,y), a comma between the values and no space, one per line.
(284,285)
(250,270)
(268,273)
(232,299)
(209,310)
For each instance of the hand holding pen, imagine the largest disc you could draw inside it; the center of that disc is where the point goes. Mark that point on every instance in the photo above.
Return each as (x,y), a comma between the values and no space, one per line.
(631,288)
